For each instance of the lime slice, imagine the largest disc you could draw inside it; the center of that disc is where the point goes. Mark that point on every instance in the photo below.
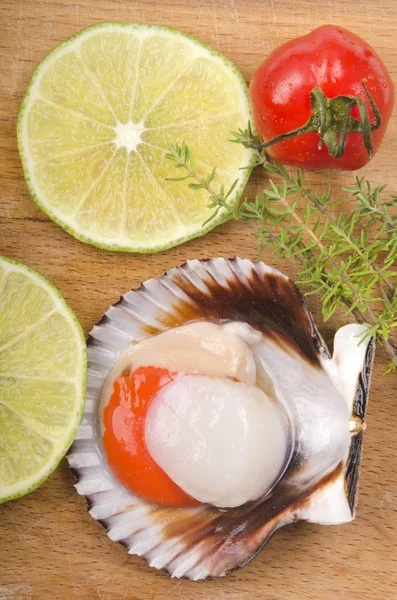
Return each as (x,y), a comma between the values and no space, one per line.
(42,378)
(96,121)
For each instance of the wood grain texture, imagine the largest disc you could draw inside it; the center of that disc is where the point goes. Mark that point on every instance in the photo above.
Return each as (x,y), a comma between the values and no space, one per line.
(50,548)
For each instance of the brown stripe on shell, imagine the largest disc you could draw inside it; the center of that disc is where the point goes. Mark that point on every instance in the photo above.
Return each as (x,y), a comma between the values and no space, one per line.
(360,403)
(238,533)
(233,537)
(278,515)
(183,313)
(245,527)
(282,514)
(353,470)
(147,328)
(267,301)
(362,394)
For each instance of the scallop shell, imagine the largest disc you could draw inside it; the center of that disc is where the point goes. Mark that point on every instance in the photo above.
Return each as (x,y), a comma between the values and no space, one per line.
(320,483)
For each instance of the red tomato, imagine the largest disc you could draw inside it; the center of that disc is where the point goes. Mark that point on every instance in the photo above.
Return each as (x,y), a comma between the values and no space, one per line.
(124,438)
(336,61)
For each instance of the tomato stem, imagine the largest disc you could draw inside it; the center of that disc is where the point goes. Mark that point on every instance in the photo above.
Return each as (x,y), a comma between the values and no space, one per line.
(331,118)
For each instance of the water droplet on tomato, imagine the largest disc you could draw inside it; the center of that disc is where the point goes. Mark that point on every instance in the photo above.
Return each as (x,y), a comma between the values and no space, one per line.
(368,53)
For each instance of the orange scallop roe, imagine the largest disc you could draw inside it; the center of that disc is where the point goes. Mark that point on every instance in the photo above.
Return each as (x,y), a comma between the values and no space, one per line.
(124,438)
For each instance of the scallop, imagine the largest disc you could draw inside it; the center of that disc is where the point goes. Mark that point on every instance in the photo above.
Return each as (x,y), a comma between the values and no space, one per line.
(282,420)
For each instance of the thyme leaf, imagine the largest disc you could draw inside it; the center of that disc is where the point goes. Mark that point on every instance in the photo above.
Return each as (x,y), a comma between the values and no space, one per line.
(349,261)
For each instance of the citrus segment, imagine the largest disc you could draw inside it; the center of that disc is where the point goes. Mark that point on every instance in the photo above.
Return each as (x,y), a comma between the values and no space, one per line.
(200,134)
(54,130)
(104,202)
(67,178)
(202,90)
(165,61)
(153,208)
(22,449)
(71,84)
(18,291)
(49,403)
(46,350)
(112,58)
(188,209)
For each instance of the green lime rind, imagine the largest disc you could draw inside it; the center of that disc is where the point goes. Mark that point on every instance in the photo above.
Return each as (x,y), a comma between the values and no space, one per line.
(196,231)
(61,445)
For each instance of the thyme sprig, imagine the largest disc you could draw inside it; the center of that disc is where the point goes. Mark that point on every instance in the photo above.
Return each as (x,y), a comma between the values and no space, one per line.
(348,260)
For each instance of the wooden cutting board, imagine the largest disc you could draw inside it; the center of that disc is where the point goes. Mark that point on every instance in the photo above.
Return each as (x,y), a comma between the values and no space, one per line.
(50,548)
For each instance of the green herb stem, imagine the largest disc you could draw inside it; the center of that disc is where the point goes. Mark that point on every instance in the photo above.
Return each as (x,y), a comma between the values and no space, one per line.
(305,193)
(345,269)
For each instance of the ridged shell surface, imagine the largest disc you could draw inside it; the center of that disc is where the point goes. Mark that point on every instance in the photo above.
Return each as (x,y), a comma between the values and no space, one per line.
(320,483)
